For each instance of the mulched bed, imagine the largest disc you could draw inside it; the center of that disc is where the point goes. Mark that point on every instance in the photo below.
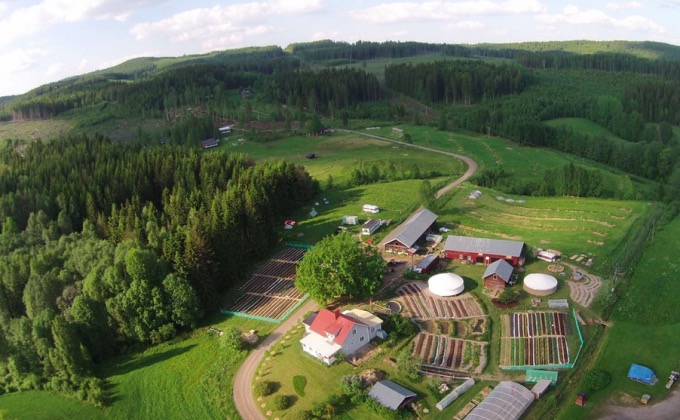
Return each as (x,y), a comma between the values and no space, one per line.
(499,305)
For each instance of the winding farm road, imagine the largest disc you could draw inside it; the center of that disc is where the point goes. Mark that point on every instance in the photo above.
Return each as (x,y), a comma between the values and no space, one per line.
(243,396)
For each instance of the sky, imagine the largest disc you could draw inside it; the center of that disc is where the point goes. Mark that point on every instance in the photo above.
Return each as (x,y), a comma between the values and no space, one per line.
(42,41)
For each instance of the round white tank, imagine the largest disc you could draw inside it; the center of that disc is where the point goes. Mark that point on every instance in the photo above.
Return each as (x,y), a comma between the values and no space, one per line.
(540,284)
(446,284)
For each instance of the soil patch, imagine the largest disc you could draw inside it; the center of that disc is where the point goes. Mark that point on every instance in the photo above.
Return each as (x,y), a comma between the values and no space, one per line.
(499,305)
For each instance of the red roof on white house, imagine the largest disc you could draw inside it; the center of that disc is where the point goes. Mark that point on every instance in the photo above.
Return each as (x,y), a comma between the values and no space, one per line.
(333,323)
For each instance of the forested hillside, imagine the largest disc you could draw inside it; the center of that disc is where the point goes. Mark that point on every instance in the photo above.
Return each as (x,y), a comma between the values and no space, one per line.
(108,245)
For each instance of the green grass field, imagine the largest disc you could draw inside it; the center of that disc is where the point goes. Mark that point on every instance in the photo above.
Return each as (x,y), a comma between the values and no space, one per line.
(189,377)
(289,360)
(646,328)
(583,126)
(340,153)
(30,130)
(570,225)
(523,164)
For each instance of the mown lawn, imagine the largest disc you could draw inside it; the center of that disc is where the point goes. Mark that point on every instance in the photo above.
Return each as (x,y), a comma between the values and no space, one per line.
(45,405)
(289,360)
(646,328)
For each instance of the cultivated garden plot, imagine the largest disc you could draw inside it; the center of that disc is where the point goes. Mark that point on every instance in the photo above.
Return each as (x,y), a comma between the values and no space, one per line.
(446,353)
(271,293)
(423,305)
(535,339)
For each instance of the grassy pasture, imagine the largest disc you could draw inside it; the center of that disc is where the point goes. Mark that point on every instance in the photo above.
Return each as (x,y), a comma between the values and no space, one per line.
(570,225)
(646,328)
(583,126)
(397,200)
(339,154)
(524,164)
(189,377)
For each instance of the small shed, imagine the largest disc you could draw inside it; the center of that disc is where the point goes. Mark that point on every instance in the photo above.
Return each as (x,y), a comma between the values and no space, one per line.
(209,143)
(427,264)
(581,399)
(350,220)
(391,395)
(371,226)
(497,274)
(310,155)
(540,388)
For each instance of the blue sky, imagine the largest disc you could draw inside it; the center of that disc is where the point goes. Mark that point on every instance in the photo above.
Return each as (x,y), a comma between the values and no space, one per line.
(47,40)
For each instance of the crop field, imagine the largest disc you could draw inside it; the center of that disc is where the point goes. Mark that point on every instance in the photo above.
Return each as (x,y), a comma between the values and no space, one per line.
(535,338)
(271,293)
(423,305)
(570,225)
(448,354)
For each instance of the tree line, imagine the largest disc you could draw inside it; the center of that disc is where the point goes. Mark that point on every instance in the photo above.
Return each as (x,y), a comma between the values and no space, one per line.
(106,246)
(456,82)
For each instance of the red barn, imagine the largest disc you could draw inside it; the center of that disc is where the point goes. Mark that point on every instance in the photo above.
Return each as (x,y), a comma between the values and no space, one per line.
(497,275)
(484,250)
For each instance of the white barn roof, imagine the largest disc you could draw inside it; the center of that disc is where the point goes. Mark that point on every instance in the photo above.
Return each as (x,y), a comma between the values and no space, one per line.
(446,284)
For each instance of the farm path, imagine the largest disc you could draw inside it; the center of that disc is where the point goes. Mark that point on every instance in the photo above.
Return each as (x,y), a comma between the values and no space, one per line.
(472,165)
(243,396)
(665,410)
(583,292)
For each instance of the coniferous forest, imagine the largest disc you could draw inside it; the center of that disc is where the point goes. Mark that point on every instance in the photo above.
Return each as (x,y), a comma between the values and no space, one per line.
(106,245)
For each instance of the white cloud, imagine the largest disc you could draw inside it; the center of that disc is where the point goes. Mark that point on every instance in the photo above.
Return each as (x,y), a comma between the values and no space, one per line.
(574,16)
(83,64)
(445,10)
(16,64)
(627,5)
(228,24)
(47,13)
(467,24)
(54,68)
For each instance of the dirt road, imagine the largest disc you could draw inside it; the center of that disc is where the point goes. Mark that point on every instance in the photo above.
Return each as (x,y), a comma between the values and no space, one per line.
(471,164)
(243,396)
(668,409)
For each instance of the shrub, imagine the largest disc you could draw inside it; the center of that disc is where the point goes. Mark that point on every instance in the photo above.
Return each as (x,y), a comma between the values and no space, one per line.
(595,380)
(263,388)
(509,296)
(408,365)
(281,402)
(231,338)
(299,384)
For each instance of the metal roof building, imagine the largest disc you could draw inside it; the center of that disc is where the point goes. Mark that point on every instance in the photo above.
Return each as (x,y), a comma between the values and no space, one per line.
(484,250)
(408,233)
(507,401)
(391,395)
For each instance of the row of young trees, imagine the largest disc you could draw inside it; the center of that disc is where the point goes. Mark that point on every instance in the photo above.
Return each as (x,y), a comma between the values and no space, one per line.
(109,245)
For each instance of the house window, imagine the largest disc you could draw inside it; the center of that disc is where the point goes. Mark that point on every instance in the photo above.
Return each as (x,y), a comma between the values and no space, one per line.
(361,338)
(354,331)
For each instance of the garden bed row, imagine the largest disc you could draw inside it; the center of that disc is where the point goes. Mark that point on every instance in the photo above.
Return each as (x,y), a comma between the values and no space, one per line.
(535,324)
(423,306)
(446,352)
(539,351)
